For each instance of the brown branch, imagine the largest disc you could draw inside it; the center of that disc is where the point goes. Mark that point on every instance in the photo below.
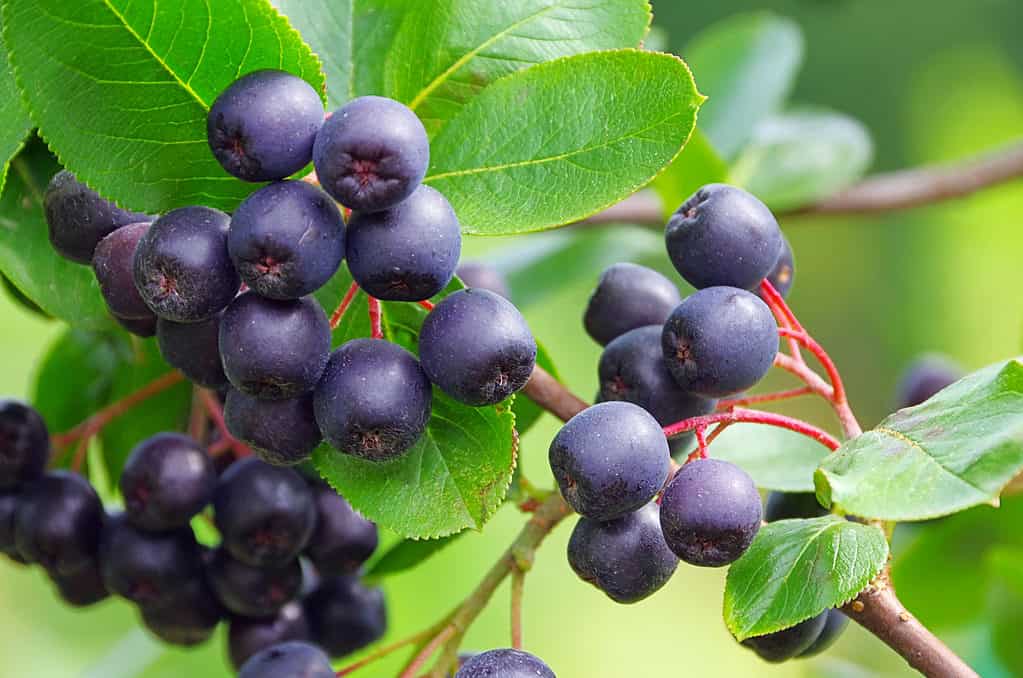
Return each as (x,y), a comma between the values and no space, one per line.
(544,390)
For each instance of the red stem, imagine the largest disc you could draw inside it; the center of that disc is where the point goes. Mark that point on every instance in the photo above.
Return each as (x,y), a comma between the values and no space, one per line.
(701,442)
(810,344)
(754,417)
(764,398)
(717,431)
(375,318)
(806,375)
(428,305)
(777,302)
(339,312)
(216,413)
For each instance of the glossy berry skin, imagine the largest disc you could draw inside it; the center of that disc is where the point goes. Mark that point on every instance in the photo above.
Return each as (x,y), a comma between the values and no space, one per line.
(626,558)
(24,444)
(484,276)
(144,327)
(193,348)
(166,481)
(187,620)
(788,643)
(924,377)
(374,400)
(83,587)
(247,636)
(787,505)
(723,235)
(610,460)
(274,349)
(345,616)
(371,154)
(181,266)
(710,512)
(280,432)
(112,264)
(292,659)
(505,663)
(783,274)
(628,296)
(58,522)
(78,218)
(287,239)
(257,592)
(343,539)
(148,568)
(262,127)
(477,347)
(265,513)
(719,341)
(834,626)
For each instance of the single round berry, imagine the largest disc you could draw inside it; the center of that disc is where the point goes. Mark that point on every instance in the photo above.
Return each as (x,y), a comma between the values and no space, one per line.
(9,503)
(58,522)
(149,568)
(407,252)
(287,239)
(787,505)
(188,619)
(265,513)
(924,377)
(371,154)
(144,327)
(293,659)
(788,643)
(483,276)
(24,444)
(345,616)
(78,218)
(374,400)
(274,349)
(628,296)
(477,347)
(719,341)
(181,266)
(193,348)
(626,558)
(783,275)
(834,626)
(343,540)
(610,460)
(166,481)
(262,127)
(281,432)
(504,663)
(22,299)
(257,592)
(247,636)
(723,235)
(83,587)
(710,512)
(112,264)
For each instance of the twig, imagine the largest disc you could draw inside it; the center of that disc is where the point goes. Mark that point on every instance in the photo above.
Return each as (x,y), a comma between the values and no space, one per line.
(518,580)
(339,312)
(419,661)
(422,636)
(544,390)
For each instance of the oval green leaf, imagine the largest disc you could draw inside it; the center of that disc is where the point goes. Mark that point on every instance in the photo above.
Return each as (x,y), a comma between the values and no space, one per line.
(14,121)
(776,459)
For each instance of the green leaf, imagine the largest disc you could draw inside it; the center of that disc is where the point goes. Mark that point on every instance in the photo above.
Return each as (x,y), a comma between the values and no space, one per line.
(14,121)
(799,157)
(796,569)
(698,164)
(513,160)
(121,89)
(957,450)
(526,411)
(776,459)
(408,553)
(747,65)
(60,287)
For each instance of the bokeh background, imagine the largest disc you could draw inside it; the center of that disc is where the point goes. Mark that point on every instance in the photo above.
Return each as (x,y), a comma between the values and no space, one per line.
(932,80)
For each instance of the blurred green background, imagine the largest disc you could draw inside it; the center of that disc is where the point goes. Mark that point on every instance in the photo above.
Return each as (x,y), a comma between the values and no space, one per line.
(932,81)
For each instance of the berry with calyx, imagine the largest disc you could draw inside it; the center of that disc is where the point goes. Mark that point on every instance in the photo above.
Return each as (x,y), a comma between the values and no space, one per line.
(371,154)
(257,592)
(188,619)
(181,266)
(723,235)
(265,513)
(144,327)
(786,505)
(274,349)
(783,275)
(834,626)
(83,587)
(58,522)
(287,239)
(343,540)
(407,252)
(506,663)
(788,643)
(112,264)
(262,127)
(374,400)
(710,512)
(483,276)
(78,218)
(24,444)
(293,659)
(924,377)
(345,616)
(628,296)
(610,460)
(477,347)
(280,432)
(166,480)
(248,636)
(193,348)
(626,558)
(719,341)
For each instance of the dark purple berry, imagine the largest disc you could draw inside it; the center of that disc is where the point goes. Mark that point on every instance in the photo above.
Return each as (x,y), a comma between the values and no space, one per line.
(248,591)
(783,275)
(287,239)
(483,276)
(710,512)
(610,460)
(188,619)
(787,505)
(293,659)
(477,347)
(628,296)
(112,264)
(193,348)
(9,503)
(343,539)
(262,127)
(281,432)
(24,444)
(505,663)
(148,568)
(924,377)
(788,643)
(58,522)
(83,587)
(248,636)
(144,327)
(166,481)
(345,616)
(374,400)
(372,153)
(834,626)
